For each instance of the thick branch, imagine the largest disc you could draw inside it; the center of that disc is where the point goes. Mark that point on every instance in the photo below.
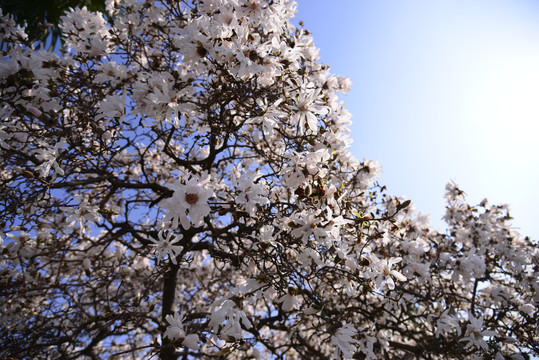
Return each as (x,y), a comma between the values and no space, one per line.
(169,290)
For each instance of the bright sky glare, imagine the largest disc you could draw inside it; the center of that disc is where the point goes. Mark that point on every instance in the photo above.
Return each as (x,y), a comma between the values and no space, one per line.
(441,90)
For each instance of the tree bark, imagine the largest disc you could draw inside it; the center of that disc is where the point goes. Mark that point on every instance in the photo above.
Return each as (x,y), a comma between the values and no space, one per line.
(168,350)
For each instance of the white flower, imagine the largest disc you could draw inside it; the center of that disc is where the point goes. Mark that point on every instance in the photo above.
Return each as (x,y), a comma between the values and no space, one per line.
(305,224)
(446,324)
(86,32)
(176,331)
(113,106)
(381,270)
(366,174)
(191,341)
(165,246)
(289,301)
(251,191)
(266,237)
(195,200)
(471,266)
(343,340)
(306,111)
(226,318)
(415,248)
(475,333)
(49,156)
(527,308)
(269,117)
(83,215)
(309,256)
(189,198)
(453,193)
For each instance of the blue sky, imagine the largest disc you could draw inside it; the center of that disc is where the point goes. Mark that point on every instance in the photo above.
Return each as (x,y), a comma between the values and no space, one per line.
(441,90)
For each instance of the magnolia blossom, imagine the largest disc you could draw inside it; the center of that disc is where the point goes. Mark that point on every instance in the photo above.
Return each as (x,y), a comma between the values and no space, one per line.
(229,318)
(176,331)
(382,270)
(447,323)
(305,224)
(475,333)
(289,301)
(306,110)
(194,198)
(251,192)
(269,116)
(343,341)
(266,236)
(93,40)
(189,198)
(367,173)
(49,158)
(165,245)
(83,215)
(309,257)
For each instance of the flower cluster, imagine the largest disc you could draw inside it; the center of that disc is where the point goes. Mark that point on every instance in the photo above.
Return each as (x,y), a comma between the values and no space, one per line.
(176,331)
(195,155)
(343,340)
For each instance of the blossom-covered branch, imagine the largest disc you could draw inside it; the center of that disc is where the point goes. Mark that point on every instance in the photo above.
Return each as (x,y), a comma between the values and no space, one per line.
(177,183)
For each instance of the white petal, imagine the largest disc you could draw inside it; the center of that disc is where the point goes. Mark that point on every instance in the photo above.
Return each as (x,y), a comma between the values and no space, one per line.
(398,275)
(191,341)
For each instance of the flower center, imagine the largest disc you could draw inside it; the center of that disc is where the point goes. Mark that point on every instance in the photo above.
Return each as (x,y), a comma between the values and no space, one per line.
(191,199)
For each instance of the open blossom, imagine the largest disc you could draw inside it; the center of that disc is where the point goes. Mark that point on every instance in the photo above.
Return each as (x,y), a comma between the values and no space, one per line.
(305,224)
(306,111)
(251,191)
(49,159)
(447,323)
(194,198)
(475,333)
(227,317)
(190,199)
(309,257)
(289,301)
(343,340)
(266,236)
(93,40)
(269,116)
(366,175)
(82,215)
(165,245)
(382,270)
(176,331)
